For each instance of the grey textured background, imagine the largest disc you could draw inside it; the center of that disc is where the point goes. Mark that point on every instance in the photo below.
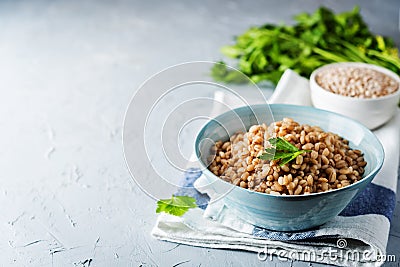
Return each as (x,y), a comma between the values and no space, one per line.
(68,70)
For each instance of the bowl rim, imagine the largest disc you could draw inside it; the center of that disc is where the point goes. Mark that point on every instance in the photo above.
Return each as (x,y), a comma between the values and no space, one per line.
(311,195)
(386,71)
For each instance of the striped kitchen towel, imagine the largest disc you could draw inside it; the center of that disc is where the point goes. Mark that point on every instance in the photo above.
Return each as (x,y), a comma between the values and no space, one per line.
(357,237)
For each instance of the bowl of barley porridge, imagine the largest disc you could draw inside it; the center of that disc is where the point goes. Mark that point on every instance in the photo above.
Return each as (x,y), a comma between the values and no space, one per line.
(365,92)
(320,161)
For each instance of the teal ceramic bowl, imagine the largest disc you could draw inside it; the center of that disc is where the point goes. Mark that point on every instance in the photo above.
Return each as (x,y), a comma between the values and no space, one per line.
(290,212)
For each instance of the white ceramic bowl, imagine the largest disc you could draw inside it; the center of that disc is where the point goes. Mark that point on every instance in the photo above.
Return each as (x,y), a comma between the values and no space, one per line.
(372,112)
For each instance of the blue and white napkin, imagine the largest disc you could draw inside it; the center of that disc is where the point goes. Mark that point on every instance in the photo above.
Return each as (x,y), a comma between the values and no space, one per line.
(357,237)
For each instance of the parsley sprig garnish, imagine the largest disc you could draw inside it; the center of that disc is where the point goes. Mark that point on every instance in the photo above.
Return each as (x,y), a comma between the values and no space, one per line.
(176,205)
(281,150)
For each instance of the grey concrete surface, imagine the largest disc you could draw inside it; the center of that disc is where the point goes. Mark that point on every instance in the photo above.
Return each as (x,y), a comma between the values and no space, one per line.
(68,70)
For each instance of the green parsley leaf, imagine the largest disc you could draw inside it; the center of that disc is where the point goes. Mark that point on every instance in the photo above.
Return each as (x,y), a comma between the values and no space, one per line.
(283,145)
(282,150)
(176,205)
(268,154)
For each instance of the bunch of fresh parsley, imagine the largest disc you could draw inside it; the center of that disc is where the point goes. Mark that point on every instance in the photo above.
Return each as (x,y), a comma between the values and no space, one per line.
(264,53)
